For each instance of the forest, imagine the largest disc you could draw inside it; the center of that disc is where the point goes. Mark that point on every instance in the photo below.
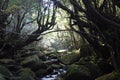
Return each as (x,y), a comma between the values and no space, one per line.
(59,39)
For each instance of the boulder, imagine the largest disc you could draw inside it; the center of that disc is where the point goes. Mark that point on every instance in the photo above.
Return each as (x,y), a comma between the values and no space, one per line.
(2,77)
(26,78)
(26,72)
(41,72)
(33,62)
(22,77)
(56,66)
(13,67)
(5,72)
(111,76)
(82,72)
(76,72)
(69,58)
(7,61)
(94,69)
(49,70)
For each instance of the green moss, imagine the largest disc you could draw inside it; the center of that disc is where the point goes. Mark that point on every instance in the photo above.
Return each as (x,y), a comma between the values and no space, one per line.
(12,9)
(7,61)
(77,72)
(2,77)
(31,59)
(34,63)
(4,71)
(56,66)
(26,78)
(69,58)
(41,72)
(84,71)
(110,76)
(26,72)
(79,69)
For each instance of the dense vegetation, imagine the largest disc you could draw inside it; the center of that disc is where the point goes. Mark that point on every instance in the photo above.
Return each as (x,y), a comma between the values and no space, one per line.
(91,35)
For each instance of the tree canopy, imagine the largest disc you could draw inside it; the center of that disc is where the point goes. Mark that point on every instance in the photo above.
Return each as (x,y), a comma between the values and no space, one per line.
(97,21)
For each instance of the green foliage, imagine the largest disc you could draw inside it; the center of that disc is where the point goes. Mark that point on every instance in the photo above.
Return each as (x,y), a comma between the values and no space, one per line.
(13,9)
(21,2)
(13,2)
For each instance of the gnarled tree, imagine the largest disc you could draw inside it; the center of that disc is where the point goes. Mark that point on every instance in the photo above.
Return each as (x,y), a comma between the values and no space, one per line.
(15,19)
(97,21)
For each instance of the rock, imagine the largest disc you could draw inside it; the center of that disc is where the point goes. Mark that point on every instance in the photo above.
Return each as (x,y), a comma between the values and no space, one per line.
(94,69)
(5,72)
(85,51)
(81,61)
(56,66)
(10,64)
(49,70)
(33,62)
(7,61)
(41,72)
(42,56)
(22,78)
(26,78)
(81,72)
(111,76)
(30,60)
(38,66)
(14,68)
(76,72)
(2,77)
(69,58)
(26,72)
(105,67)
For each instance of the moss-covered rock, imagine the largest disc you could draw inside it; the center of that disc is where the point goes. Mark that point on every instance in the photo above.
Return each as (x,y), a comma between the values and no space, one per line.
(77,72)
(94,69)
(85,50)
(110,76)
(53,55)
(56,66)
(69,58)
(26,72)
(33,62)
(7,61)
(5,72)
(81,61)
(22,77)
(87,71)
(2,77)
(41,72)
(49,70)
(26,78)
(105,67)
